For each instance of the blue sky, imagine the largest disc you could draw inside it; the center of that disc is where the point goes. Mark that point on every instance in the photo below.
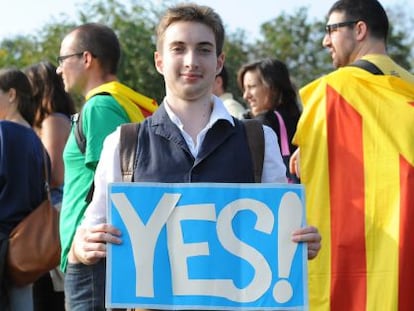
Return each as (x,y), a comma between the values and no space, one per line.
(27,16)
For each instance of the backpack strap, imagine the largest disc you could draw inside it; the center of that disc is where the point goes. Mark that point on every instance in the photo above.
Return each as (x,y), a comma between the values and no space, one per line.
(255,140)
(127,149)
(78,130)
(368,66)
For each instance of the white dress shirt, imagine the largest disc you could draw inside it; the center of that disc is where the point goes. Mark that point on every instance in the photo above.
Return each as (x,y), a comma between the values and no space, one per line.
(108,169)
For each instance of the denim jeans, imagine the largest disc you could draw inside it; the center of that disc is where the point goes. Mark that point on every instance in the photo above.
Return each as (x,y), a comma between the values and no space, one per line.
(21,298)
(85,287)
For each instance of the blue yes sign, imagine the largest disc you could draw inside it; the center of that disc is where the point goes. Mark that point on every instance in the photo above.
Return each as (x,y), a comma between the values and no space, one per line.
(207,246)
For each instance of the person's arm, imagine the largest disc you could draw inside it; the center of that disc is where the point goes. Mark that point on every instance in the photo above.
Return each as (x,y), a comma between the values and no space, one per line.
(274,170)
(294,167)
(89,243)
(54,134)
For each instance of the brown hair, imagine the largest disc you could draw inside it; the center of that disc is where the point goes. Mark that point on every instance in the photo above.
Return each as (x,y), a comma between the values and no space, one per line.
(12,78)
(48,92)
(102,42)
(190,12)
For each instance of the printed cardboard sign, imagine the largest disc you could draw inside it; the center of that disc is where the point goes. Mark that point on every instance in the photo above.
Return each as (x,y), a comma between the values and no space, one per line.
(207,246)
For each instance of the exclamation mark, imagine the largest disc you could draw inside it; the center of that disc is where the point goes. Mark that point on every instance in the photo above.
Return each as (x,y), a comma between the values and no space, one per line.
(289,219)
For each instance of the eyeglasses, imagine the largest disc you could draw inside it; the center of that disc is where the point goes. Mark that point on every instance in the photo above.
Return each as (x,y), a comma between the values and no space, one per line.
(60,59)
(334,27)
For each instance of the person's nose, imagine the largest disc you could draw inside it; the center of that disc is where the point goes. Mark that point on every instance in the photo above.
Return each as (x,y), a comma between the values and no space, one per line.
(190,59)
(326,42)
(59,69)
(246,94)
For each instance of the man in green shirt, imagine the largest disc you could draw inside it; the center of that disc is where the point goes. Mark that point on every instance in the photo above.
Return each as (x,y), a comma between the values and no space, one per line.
(88,62)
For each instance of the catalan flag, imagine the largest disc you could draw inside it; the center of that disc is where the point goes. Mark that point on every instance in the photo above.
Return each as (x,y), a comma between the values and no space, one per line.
(136,105)
(356,138)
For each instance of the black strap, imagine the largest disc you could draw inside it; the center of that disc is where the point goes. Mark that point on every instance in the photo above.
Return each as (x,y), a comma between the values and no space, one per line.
(78,130)
(127,149)
(368,66)
(255,140)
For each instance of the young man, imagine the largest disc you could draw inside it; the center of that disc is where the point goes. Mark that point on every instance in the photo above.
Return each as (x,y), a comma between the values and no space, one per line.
(192,137)
(220,89)
(88,62)
(356,162)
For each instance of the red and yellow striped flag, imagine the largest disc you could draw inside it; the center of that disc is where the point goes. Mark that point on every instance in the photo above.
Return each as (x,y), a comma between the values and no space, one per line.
(356,138)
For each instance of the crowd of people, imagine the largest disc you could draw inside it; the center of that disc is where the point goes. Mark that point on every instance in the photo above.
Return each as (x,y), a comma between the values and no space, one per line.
(333,136)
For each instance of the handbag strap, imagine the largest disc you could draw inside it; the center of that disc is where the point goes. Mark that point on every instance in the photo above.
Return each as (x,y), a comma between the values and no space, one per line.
(46,174)
(283,135)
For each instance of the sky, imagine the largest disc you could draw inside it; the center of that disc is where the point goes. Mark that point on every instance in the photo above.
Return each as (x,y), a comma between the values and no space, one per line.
(27,16)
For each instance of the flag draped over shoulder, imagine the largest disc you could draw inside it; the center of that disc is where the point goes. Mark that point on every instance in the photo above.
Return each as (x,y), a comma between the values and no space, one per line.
(356,138)
(136,105)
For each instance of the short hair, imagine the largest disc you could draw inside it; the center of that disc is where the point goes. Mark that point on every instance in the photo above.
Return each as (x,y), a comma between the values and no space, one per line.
(191,12)
(369,11)
(274,74)
(224,77)
(12,78)
(102,42)
(48,92)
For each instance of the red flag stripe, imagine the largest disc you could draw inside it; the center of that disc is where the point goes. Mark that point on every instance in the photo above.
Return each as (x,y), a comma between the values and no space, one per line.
(346,181)
(406,243)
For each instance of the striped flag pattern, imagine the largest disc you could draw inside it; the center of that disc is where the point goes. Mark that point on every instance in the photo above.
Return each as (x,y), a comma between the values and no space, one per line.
(356,138)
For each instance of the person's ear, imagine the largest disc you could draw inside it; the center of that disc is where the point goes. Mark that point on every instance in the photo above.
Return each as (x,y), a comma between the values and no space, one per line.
(220,63)
(158,62)
(87,58)
(361,30)
(11,95)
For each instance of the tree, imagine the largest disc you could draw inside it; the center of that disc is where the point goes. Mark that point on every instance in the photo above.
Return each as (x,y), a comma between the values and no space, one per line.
(400,39)
(291,38)
(135,28)
(237,52)
(297,42)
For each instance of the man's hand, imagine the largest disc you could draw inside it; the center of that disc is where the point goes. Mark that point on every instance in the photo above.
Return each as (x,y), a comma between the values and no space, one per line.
(89,244)
(294,167)
(311,236)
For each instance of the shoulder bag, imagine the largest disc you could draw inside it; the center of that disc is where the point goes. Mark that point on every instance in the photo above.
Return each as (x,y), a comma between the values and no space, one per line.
(34,244)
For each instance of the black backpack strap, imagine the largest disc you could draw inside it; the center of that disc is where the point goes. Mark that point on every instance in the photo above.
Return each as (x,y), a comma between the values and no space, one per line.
(127,149)
(255,140)
(78,132)
(368,66)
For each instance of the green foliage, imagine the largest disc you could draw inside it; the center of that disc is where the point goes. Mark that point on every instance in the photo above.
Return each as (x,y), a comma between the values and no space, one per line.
(291,38)
(236,51)
(297,42)
(135,27)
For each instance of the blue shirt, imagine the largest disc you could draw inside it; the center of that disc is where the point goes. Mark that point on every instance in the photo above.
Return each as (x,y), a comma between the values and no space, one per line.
(21,173)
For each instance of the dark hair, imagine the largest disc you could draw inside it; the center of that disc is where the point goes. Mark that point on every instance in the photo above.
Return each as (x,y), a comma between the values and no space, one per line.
(224,77)
(275,75)
(12,78)
(48,92)
(191,12)
(369,11)
(102,42)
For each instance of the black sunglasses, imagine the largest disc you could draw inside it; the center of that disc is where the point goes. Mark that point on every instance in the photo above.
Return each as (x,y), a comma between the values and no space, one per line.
(333,27)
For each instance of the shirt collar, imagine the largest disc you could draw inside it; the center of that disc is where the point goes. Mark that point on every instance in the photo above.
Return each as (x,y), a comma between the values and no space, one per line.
(219,113)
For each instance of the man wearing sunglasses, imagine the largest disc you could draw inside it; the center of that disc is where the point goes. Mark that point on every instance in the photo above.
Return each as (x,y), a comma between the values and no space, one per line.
(88,63)
(357,164)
